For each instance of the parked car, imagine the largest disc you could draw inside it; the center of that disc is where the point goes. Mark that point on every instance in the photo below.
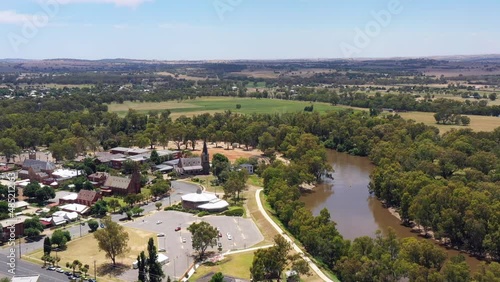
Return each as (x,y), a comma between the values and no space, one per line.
(183,240)
(51,268)
(161,234)
(161,250)
(219,244)
(60,270)
(220,234)
(229,237)
(159,222)
(177,228)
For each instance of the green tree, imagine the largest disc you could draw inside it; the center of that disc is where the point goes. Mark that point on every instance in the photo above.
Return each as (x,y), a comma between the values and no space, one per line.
(93,225)
(155,158)
(236,183)
(31,189)
(113,239)
(142,267)
(47,246)
(160,188)
(73,265)
(203,236)
(457,270)
(100,208)
(492,96)
(114,204)
(158,205)
(220,164)
(32,227)
(60,238)
(217,277)
(9,148)
(44,194)
(155,271)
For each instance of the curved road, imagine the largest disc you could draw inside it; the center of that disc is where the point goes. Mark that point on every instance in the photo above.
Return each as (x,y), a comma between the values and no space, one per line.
(312,265)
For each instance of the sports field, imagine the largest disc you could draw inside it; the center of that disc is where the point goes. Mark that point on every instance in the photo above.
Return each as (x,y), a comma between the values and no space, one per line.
(221,104)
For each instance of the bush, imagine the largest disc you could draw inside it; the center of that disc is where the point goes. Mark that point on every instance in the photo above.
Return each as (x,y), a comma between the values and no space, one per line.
(203,213)
(238,211)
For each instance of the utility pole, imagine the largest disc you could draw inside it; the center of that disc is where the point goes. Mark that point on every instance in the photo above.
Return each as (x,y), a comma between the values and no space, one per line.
(80,223)
(20,247)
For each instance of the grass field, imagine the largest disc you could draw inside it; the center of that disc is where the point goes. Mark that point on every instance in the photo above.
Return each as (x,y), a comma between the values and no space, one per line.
(221,104)
(237,265)
(478,123)
(79,249)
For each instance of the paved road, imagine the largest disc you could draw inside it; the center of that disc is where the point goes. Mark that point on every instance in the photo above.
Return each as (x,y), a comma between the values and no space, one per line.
(312,265)
(28,268)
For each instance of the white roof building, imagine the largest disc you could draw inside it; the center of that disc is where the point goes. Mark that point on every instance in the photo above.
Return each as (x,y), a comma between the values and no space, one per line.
(215,205)
(199,197)
(81,209)
(33,278)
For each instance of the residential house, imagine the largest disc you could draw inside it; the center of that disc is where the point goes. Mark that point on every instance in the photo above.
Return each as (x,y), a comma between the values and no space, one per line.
(13,226)
(87,197)
(248,168)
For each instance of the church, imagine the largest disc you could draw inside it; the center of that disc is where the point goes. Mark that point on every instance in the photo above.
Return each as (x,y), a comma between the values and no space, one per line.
(194,165)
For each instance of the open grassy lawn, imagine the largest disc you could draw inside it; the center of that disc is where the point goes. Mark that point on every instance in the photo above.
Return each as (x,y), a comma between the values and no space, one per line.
(85,249)
(237,265)
(221,104)
(478,123)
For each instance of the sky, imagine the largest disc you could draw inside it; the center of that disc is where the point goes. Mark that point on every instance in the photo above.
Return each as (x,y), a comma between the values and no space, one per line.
(247,29)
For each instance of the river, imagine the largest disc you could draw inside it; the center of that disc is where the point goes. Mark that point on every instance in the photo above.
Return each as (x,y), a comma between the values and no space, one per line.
(353,209)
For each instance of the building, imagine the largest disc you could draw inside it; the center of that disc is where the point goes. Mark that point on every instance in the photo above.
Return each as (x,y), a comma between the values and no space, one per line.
(203,201)
(80,209)
(33,278)
(18,227)
(248,168)
(195,165)
(68,199)
(87,197)
(122,185)
(36,170)
(98,179)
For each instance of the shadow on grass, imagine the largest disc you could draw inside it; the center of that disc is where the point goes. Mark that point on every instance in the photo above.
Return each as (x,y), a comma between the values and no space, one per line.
(112,270)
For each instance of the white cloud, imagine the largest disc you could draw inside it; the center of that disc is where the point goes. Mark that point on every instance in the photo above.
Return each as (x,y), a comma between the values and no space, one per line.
(125,3)
(12,17)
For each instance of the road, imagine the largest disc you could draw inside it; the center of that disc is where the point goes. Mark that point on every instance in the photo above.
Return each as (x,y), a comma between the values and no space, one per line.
(76,230)
(312,265)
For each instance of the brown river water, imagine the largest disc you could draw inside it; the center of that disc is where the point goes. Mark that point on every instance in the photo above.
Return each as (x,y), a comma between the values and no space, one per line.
(350,205)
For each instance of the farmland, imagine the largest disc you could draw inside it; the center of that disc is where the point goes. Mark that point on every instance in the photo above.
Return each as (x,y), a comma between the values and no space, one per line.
(217,104)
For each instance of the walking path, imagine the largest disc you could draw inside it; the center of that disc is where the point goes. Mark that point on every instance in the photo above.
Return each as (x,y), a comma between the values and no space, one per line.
(312,265)
(247,250)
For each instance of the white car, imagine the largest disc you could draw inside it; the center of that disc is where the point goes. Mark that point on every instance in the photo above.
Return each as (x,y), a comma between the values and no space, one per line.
(161,250)
(159,222)
(229,237)
(183,240)
(161,234)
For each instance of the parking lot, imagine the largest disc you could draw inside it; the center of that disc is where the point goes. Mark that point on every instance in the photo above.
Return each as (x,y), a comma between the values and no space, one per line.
(243,233)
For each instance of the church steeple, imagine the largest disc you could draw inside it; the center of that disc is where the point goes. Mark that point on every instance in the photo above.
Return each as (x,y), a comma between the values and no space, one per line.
(205,159)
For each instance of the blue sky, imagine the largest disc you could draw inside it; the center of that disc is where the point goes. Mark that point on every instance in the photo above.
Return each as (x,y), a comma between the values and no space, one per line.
(246,29)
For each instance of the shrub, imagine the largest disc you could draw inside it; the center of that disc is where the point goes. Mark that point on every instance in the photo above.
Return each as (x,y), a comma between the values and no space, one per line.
(203,213)
(238,211)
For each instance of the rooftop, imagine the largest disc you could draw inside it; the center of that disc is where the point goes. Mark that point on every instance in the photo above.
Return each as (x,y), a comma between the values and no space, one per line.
(13,221)
(75,208)
(33,278)
(199,198)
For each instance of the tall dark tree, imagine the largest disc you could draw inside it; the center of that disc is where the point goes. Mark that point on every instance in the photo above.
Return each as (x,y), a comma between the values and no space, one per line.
(155,271)
(142,267)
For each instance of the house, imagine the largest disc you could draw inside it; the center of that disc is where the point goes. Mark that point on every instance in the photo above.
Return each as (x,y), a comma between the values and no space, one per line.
(106,157)
(13,227)
(87,197)
(68,216)
(58,221)
(68,199)
(248,168)
(122,185)
(80,209)
(203,201)
(97,179)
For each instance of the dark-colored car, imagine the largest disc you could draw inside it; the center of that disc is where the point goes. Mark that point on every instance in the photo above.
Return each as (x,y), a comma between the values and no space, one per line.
(177,228)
